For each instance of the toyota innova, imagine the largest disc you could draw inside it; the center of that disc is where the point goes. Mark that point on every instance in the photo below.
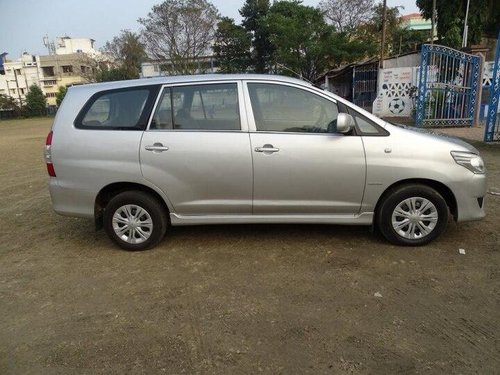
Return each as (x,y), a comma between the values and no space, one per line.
(139,156)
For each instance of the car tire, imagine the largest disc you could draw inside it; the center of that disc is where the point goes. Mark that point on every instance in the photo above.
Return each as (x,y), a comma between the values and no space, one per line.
(412,215)
(135,220)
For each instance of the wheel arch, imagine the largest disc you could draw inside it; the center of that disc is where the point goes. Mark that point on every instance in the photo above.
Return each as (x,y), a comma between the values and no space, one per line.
(441,188)
(111,190)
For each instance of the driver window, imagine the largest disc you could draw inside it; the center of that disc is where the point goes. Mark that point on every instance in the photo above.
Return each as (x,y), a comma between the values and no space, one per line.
(282,108)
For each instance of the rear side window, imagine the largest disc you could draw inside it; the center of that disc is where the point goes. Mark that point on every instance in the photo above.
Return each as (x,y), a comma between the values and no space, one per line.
(198,107)
(122,109)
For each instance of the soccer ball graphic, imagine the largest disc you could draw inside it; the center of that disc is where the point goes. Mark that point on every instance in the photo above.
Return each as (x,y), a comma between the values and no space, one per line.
(396,106)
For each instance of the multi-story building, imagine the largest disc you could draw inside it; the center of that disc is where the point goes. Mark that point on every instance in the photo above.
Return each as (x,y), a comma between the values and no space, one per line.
(62,70)
(66,45)
(70,61)
(18,76)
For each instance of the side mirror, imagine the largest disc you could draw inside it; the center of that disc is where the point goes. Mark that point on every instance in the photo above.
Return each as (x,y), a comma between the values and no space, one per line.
(345,123)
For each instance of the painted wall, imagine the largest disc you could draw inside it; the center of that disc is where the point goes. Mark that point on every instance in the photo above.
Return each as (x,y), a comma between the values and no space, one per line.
(394,92)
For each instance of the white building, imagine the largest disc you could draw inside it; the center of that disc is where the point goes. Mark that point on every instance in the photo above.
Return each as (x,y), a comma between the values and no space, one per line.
(65,65)
(19,76)
(66,45)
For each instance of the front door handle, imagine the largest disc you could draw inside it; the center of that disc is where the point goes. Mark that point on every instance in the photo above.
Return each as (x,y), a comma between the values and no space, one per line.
(156,147)
(267,149)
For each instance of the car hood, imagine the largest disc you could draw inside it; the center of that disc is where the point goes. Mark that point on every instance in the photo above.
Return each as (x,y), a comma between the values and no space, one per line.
(428,133)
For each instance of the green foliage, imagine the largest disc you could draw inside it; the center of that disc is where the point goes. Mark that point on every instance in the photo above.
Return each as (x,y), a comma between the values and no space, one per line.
(398,39)
(36,104)
(128,53)
(61,93)
(405,40)
(484,18)
(8,103)
(373,29)
(232,47)
(254,13)
(106,74)
(304,44)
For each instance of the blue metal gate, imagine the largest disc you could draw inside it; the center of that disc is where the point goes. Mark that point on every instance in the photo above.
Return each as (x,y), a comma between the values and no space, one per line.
(492,128)
(448,87)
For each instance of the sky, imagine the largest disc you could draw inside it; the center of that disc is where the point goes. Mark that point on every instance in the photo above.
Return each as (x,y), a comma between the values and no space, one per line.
(24,23)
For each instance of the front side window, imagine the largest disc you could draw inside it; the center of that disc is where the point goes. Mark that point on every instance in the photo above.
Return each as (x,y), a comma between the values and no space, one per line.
(282,108)
(117,109)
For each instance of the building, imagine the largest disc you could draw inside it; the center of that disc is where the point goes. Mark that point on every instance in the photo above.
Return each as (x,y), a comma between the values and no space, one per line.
(18,76)
(66,45)
(70,61)
(415,21)
(62,70)
(155,68)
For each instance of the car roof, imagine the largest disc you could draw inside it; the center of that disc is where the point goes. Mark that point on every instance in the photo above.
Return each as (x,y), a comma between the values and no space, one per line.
(165,80)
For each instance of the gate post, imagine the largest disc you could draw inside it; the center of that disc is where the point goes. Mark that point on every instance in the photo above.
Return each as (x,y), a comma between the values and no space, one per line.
(490,130)
(422,86)
(479,95)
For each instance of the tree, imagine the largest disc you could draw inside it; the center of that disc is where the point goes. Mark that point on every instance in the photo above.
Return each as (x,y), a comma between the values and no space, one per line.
(106,74)
(304,44)
(405,40)
(347,15)
(61,93)
(8,103)
(484,18)
(232,47)
(398,39)
(127,52)
(180,31)
(254,13)
(36,104)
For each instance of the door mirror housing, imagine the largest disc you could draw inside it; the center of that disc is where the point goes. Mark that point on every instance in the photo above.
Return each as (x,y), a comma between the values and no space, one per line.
(345,123)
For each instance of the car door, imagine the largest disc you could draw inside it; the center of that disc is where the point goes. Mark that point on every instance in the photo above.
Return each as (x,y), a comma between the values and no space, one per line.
(301,167)
(196,152)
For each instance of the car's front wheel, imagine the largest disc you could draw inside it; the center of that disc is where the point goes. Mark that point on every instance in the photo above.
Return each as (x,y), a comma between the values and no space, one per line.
(412,215)
(135,220)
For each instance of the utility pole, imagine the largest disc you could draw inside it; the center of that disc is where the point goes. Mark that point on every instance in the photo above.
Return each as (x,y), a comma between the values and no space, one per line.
(382,42)
(433,20)
(466,26)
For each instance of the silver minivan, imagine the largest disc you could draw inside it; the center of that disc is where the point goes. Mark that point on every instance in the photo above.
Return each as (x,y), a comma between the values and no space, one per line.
(138,156)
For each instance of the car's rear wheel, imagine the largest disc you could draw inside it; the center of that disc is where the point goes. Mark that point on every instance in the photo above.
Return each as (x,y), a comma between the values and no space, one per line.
(135,220)
(412,215)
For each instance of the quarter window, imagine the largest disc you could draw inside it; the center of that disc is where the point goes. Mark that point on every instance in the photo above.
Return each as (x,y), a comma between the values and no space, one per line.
(365,126)
(282,108)
(125,109)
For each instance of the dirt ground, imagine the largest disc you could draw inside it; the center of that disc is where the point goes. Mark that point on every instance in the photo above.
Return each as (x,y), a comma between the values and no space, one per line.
(289,299)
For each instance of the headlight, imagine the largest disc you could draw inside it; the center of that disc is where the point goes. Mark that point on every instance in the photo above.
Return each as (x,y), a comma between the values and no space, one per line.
(472,162)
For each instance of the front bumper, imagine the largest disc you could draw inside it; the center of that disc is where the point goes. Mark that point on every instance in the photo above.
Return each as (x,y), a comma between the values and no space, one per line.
(469,194)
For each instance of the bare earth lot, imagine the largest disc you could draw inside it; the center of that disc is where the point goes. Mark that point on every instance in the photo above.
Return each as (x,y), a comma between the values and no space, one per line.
(237,299)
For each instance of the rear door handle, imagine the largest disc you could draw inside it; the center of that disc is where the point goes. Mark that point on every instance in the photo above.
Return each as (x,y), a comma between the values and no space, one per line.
(267,149)
(156,147)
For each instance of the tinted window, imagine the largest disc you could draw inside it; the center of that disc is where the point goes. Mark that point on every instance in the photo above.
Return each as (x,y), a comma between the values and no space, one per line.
(364,125)
(162,118)
(205,107)
(117,109)
(289,109)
